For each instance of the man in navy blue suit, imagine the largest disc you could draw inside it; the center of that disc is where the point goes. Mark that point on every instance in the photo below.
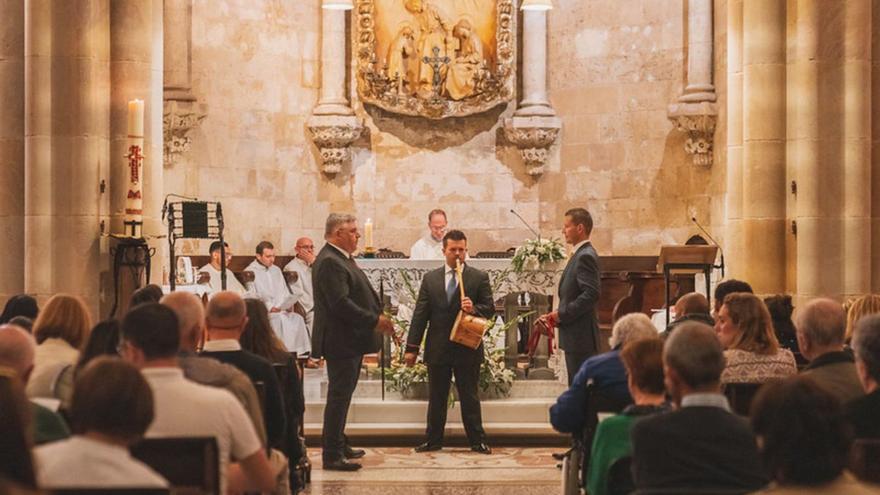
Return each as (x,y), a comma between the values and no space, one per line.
(576,316)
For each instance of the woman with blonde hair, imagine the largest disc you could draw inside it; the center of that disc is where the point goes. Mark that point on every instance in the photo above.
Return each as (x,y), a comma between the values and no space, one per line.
(753,354)
(868,304)
(60,330)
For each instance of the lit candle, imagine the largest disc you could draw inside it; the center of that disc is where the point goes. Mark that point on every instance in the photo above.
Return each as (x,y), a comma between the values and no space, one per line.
(134,164)
(368,233)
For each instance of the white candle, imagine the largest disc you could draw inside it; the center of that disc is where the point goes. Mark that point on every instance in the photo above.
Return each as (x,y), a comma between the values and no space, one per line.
(368,233)
(133,168)
(136,118)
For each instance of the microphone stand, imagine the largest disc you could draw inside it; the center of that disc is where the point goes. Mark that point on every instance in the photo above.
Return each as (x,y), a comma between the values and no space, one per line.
(521,219)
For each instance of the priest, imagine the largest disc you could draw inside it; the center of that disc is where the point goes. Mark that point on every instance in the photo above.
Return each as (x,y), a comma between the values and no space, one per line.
(430,247)
(270,287)
(213,269)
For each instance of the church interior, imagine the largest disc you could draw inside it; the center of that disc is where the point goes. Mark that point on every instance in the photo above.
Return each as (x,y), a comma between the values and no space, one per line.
(709,140)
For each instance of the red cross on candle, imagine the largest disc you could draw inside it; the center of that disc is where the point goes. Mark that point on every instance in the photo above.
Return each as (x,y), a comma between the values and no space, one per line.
(134,160)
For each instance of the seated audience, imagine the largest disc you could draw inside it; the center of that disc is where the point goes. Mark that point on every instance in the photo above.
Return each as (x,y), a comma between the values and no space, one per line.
(803,439)
(752,353)
(780,309)
(150,340)
(191,321)
(111,409)
(690,307)
(866,305)
(728,287)
(643,360)
(821,326)
(702,445)
(225,321)
(17,354)
(103,341)
(150,293)
(863,413)
(21,305)
(60,330)
(605,371)
(23,322)
(16,463)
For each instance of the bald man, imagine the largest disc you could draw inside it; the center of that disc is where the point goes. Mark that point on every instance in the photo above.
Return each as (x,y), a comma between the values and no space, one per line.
(692,306)
(821,326)
(191,320)
(302,288)
(17,354)
(225,320)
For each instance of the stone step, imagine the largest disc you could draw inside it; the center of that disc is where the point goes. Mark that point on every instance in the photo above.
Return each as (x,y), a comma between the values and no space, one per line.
(521,389)
(415,411)
(415,431)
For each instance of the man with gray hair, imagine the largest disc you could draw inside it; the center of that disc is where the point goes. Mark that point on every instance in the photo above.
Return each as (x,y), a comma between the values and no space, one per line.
(605,372)
(821,326)
(348,321)
(864,411)
(702,446)
(17,354)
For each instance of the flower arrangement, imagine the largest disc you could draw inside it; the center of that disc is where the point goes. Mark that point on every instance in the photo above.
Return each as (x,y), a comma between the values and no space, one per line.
(536,252)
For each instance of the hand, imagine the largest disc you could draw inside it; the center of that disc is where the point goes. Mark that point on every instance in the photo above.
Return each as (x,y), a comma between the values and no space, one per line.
(550,318)
(307,256)
(467,305)
(275,310)
(385,325)
(410,359)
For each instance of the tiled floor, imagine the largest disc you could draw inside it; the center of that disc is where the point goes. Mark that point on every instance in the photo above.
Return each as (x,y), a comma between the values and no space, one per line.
(398,470)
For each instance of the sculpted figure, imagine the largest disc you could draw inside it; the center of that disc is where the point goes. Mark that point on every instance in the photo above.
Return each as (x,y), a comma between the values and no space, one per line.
(401,61)
(461,80)
(434,31)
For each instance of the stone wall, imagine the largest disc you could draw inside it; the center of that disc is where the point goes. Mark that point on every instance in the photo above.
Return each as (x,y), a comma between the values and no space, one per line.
(613,69)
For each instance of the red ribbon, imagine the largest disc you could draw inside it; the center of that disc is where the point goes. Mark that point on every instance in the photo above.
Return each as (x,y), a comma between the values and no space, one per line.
(539,329)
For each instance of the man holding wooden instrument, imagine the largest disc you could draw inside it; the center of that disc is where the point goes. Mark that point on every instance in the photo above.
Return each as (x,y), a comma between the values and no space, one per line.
(455,304)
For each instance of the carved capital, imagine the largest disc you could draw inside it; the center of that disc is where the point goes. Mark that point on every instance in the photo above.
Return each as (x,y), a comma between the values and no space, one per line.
(333,135)
(179,118)
(698,121)
(533,136)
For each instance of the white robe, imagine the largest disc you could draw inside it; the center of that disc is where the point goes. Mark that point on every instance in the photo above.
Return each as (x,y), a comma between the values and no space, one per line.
(270,287)
(427,248)
(302,288)
(232,283)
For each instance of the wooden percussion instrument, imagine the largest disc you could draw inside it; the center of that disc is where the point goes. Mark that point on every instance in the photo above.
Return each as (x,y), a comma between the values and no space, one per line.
(468,329)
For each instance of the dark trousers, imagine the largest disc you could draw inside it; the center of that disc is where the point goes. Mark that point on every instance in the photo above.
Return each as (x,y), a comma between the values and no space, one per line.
(342,378)
(466,380)
(573,362)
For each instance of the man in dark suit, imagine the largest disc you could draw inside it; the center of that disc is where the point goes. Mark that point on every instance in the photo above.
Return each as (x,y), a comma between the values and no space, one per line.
(348,316)
(438,304)
(578,294)
(702,445)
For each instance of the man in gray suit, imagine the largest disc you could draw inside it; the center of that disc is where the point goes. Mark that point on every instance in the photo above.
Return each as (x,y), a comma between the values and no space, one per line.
(578,294)
(348,317)
(438,304)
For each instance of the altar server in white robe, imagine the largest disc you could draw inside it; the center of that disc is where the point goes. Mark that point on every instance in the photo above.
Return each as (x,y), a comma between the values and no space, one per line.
(302,287)
(213,269)
(430,247)
(270,287)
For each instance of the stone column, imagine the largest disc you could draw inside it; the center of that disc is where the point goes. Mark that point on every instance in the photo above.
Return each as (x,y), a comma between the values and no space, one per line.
(136,41)
(333,125)
(856,253)
(733,236)
(764,187)
(695,113)
(534,126)
(12,148)
(181,112)
(67,81)
(804,136)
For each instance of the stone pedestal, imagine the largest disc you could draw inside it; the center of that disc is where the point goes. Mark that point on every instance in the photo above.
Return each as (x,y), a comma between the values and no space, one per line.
(333,135)
(533,136)
(698,121)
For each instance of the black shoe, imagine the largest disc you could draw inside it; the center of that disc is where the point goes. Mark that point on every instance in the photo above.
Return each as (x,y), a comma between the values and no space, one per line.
(351,453)
(341,465)
(428,447)
(481,448)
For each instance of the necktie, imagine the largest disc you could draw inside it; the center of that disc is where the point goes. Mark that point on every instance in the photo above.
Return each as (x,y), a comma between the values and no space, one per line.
(451,287)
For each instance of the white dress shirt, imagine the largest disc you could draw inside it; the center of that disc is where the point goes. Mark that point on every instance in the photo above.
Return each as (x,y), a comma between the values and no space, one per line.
(427,248)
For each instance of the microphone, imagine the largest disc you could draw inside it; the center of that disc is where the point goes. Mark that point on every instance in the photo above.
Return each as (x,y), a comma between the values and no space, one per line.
(521,219)
(694,219)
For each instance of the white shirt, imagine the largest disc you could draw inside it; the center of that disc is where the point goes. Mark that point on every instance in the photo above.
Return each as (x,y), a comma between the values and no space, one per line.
(232,283)
(79,462)
(303,285)
(578,245)
(50,358)
(187,409)
(269,285)
(427,248)
(222,345)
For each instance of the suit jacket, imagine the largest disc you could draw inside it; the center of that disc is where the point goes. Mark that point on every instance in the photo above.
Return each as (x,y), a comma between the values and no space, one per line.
(434,311)
(862,414)
(578,299)
(346,308)
(695,447)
